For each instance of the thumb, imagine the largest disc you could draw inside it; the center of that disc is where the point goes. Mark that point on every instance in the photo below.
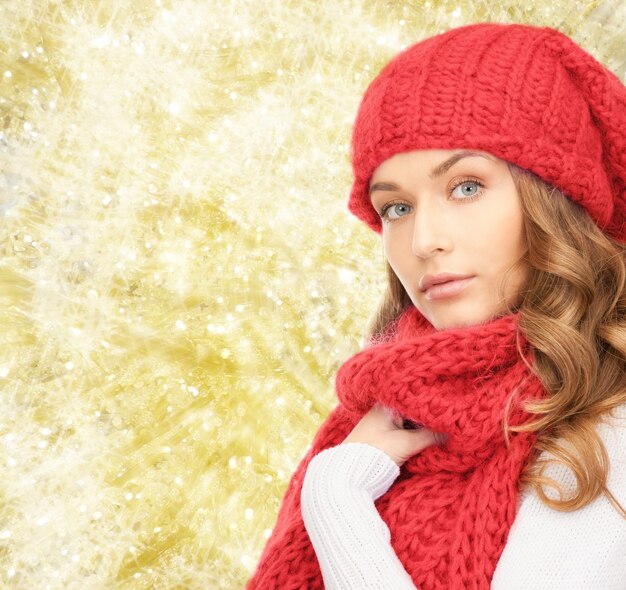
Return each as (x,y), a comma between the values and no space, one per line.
(415,441)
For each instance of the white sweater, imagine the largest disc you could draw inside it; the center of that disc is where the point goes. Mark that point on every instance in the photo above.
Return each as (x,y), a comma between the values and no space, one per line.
(545,549)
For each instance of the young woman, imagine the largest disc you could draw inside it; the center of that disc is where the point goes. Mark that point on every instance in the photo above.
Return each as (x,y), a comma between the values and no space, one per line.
(480,435)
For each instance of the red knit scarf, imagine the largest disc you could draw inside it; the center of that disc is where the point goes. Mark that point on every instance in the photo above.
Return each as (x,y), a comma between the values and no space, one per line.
(451,508)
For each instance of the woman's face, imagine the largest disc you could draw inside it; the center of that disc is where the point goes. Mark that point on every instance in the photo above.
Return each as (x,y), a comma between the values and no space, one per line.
(445,213)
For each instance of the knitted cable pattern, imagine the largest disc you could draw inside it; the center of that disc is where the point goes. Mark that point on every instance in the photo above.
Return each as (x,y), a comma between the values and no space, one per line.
(450,509)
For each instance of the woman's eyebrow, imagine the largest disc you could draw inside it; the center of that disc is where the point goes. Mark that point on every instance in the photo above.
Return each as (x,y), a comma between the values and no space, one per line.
(434,173)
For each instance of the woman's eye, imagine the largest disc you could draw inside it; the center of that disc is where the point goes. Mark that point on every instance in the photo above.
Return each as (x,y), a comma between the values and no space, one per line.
(395,210)
(473,186)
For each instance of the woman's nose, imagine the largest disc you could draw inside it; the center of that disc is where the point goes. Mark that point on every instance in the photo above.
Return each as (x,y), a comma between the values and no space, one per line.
(429,233)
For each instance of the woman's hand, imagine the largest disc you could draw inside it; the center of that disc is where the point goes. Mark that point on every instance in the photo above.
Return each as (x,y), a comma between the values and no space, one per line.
(381,429)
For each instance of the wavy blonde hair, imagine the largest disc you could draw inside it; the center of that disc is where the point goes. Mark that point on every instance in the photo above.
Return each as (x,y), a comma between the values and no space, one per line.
(573,314)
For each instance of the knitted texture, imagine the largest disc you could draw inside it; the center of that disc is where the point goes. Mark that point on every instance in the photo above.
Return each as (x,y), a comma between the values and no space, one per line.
(450,509)
(528,95)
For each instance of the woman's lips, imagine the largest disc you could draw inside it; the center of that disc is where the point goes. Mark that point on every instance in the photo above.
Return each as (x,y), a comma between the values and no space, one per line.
(448,289)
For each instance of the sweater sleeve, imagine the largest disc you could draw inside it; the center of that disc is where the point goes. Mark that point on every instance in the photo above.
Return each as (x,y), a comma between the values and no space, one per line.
(582,550)
(351,541)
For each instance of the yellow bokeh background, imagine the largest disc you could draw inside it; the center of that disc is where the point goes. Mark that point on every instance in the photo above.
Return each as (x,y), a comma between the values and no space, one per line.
(180,277)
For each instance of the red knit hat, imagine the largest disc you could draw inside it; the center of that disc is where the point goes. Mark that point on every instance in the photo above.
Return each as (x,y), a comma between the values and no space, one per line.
(528,95)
